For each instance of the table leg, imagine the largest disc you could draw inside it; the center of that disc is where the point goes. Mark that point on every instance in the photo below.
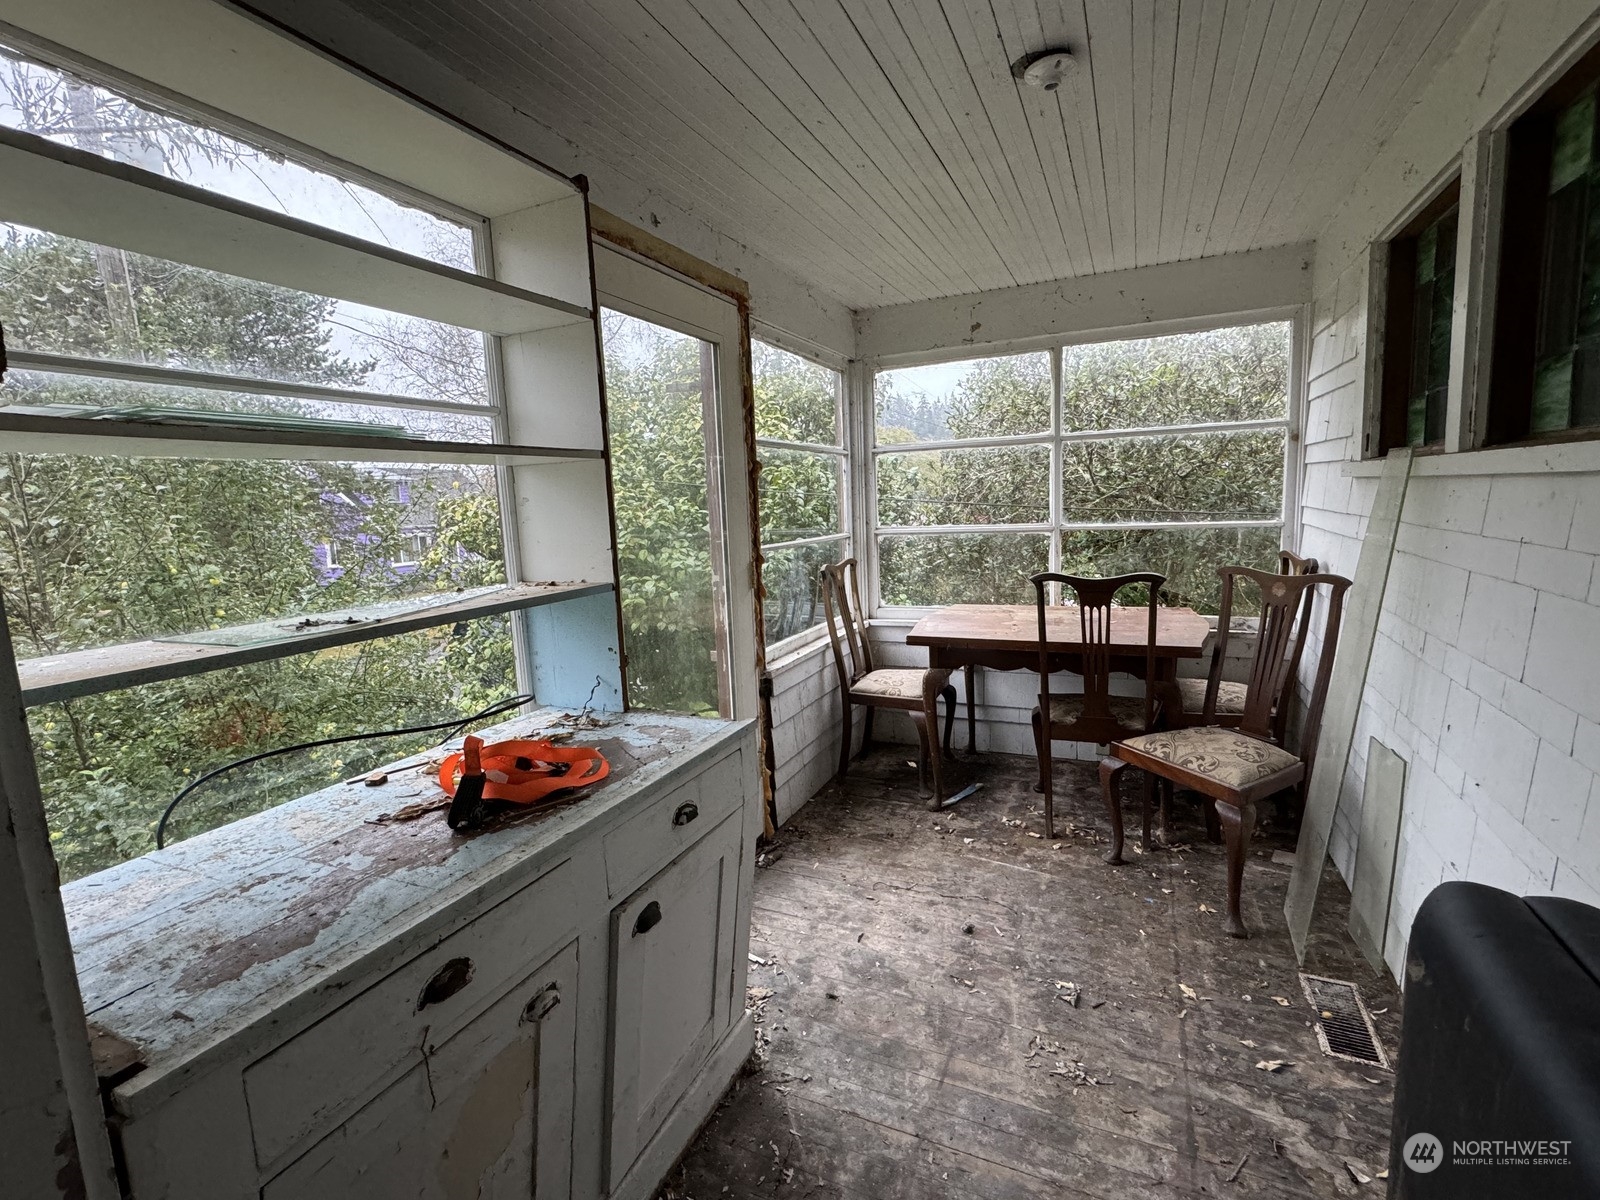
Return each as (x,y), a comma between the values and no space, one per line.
(972,711)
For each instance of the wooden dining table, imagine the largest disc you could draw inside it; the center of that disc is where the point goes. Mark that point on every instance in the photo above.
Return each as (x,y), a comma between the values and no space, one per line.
(1005,637)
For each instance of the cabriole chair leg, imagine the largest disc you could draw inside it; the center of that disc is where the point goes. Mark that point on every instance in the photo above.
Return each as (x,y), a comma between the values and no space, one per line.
(1238,823)
(1110,771)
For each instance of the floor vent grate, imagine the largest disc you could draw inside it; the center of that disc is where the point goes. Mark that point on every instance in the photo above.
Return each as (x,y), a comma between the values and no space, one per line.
(1344,1027)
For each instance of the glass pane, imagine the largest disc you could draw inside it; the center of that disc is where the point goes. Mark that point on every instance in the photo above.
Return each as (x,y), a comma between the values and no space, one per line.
(108,550)
(1239,374)
(796,400)
(800,495)
(793,601)
(1001,485)
(960,568)
(659,385)
(984,397)
(1194,477)
(62,296)
(109,765)
(74,112)
(149,400)
(1189,558)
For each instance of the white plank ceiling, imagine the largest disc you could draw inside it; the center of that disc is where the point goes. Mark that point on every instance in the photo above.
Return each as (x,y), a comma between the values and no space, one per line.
(880,149)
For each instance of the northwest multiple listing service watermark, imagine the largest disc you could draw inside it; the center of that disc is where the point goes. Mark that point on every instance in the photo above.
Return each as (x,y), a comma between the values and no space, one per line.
(1423,1153)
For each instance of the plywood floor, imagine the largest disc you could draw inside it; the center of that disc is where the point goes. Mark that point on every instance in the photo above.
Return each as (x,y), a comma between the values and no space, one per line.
(916,1042)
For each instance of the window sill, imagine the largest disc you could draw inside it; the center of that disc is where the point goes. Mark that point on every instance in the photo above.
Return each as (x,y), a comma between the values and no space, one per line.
(1558,458)
(783,656)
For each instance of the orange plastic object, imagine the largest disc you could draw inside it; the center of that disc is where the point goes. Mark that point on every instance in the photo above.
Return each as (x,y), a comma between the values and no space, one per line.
(523,771)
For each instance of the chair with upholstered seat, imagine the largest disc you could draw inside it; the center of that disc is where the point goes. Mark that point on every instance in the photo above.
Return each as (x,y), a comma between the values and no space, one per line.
(1218,701)
(1234,768)
(1094,715)
(915,691)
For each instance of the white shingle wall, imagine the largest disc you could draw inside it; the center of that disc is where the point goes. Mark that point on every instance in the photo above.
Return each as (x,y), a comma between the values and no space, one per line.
(1485,675)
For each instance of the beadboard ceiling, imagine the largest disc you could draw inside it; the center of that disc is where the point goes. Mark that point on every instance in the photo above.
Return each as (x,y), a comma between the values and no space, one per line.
(881,150)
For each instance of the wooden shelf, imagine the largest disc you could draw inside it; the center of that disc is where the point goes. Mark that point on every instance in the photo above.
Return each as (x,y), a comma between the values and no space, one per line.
(42,433)
(71,192)
(108,668)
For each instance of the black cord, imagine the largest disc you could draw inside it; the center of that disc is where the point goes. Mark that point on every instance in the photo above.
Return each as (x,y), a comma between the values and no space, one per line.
(454,726)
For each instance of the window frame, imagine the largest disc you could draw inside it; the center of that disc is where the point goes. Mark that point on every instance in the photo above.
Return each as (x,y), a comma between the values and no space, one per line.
(1518,292)
(1399,333)
(1056,438)
(813,635)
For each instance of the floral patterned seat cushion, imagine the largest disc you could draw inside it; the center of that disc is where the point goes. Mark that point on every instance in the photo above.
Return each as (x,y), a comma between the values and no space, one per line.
(1230,697)
(1128,711)
(1223,756)
(894,683)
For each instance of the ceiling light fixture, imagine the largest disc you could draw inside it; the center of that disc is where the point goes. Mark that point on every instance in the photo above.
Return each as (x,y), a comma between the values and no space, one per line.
(1045,70)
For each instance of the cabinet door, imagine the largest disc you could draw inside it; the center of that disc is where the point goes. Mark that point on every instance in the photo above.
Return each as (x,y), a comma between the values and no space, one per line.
(672,964)
(486,1114)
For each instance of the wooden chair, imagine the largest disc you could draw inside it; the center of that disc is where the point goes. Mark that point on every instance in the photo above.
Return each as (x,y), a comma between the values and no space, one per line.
(1236,767)
(915,691)
(1096,715)
(1217,701)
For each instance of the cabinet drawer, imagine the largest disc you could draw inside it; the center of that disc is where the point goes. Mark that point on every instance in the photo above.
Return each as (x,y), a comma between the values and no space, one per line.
(665,827)
(316,1079)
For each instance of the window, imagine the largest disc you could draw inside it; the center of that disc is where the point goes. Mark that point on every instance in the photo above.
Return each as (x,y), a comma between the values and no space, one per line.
(1162,454)
(1417,320)
(805,510)
(1546,371)
(311,479)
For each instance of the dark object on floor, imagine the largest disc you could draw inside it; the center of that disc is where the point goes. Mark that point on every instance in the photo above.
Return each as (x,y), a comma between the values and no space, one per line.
(1499,1044)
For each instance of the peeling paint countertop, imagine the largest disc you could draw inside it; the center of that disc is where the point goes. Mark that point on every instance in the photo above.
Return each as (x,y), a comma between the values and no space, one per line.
(184,953)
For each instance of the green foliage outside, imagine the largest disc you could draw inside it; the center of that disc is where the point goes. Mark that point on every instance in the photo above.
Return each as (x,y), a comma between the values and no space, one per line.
(96,551)
(1236,374)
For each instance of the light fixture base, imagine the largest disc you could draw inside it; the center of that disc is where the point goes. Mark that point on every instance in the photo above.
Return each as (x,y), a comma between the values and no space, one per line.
(1046,70)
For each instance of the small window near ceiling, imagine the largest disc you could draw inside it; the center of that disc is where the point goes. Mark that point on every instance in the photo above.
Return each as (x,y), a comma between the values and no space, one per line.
(1546,377)
(1416,337)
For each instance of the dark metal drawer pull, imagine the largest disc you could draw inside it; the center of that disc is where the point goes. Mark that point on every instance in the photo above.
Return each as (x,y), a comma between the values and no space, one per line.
(648,919)
(545,999)
(687,812)
(446,982)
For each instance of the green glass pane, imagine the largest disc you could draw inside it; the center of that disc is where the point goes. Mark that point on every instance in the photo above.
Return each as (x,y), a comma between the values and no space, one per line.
(1573,142)
(1552,396)
(1417,420)
(960,568)
(1425,248)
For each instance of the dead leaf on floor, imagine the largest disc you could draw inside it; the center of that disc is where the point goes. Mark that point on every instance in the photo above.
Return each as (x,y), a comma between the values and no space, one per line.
(412,811)
(1281,1001)
(1247,1042)
(1356,1173)
(1188,991)
(1383,1174)
(1207,908)
(1271,1065)
(1067,991)
(1032,834)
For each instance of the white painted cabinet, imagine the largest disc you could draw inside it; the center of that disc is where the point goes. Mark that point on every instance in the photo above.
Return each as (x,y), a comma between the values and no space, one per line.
(487,1113)
(548,1009)
(671,946)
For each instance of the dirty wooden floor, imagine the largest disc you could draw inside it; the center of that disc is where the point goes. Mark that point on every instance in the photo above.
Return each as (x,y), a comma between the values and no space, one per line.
(915,1042)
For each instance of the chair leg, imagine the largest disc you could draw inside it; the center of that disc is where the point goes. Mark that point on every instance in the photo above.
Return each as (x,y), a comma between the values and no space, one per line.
(949,694)
(972,710)
(1046,784)
(935,759)
(919,720)
(1146,803)
(844,740)
(1110,770)
(866,734)
(1164,829)
(1238,822)
(1208,806)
